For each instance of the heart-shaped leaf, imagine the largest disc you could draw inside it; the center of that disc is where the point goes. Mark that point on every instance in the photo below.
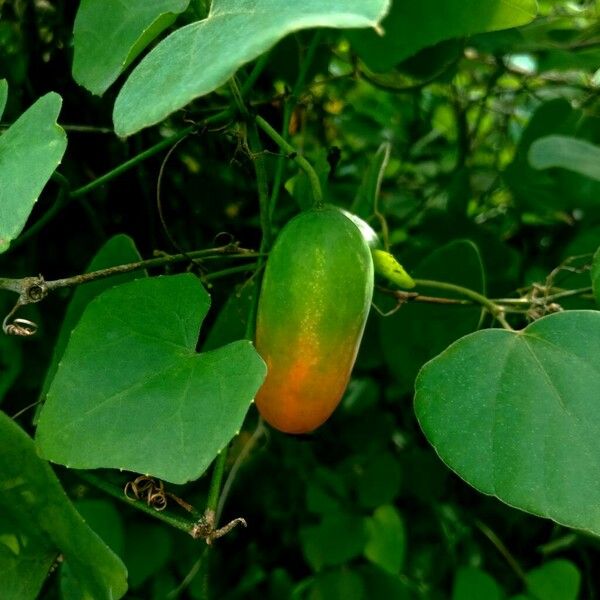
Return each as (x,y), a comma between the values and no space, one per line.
(132,393)
(37,522)
(198,58)
(386,545)
(118,250)
(109,34)
(555,580)
(30,150)
(516,415)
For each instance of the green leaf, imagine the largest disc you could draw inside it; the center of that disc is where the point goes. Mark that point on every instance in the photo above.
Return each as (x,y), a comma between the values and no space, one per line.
(334,541)
(566,152)
(132,393)
(147,550)
(340,583)
(30,150)
(3,95)
(514,414)
(230,323)
(380,584)
(417,332)
(554,580)
(595,273)
(109,34)
(200,57)
(378,479)
(472,583)
(118,250)
(411,26)
(103,518)
(368,192)
(38,522)
(25,560)
(386,544)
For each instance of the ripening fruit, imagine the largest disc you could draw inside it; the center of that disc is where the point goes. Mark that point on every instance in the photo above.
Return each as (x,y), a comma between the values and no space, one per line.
(313,306)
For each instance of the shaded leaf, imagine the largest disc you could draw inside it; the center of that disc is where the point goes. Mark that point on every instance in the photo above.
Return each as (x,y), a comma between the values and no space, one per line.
(198,58)
(230,324)
(147,550)
(30,150)
(131,392)
(514,414)
(334,541)
(471,582)
(386,544)
(378,480)
(411,26)
(109,34)
(341,583)
(417,332)
(41,522)
(380,584)
(25,560)
(554,580)
(547,192)
(566,152)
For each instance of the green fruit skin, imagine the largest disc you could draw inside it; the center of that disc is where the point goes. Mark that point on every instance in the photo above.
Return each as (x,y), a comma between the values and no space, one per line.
(312,311)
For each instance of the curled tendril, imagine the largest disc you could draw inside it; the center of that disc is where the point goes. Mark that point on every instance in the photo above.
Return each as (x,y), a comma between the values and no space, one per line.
(153,492)
(19,327)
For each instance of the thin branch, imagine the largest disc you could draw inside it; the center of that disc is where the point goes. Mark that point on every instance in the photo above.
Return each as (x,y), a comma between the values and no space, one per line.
(34,289)
(117,492)
(499,545)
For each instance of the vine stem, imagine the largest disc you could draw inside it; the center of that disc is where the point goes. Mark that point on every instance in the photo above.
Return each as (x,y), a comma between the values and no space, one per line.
(216,481)
(34,289)
(313,178)
(494,309)
(288,106)
(117,492)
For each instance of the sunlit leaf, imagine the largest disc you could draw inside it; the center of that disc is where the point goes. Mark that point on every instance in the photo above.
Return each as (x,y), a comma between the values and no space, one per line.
(109,34)
(199,57)
(30,150)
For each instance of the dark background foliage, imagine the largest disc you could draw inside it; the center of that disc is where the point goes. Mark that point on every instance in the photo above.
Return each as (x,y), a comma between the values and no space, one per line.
(460,117)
